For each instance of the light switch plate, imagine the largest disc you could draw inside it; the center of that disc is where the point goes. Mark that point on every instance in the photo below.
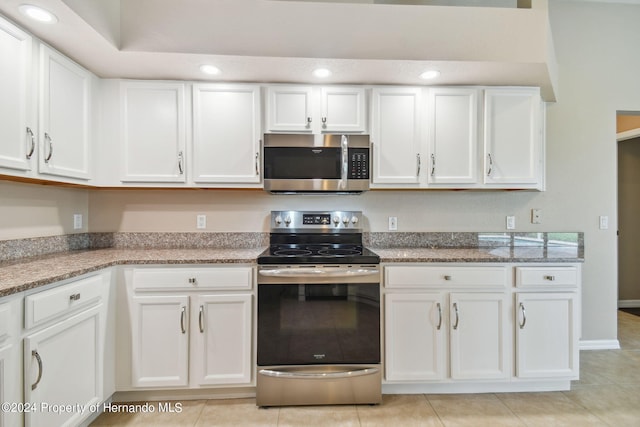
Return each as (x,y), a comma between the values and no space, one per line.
(393,223)
(77,221)
(604,222)
(201,221)
(511,222)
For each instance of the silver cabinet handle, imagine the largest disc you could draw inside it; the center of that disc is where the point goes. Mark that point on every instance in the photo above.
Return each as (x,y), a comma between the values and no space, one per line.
(490,164)
(193,280)
(308,122)
(455,309)
(439,316)
(180,162)
(418,164)
(433,164)
(447,277)
(324,122)
(257,163)
(524,316)
(35,354)
(550,278)
(201,318)
(47,139)
(183,315)
(74,297)
(33,143)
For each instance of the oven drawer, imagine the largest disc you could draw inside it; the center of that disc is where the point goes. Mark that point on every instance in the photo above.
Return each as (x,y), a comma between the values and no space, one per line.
(197,278)
(444,276)
(546,276)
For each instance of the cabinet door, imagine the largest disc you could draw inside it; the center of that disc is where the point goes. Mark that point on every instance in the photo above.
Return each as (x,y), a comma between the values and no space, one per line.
(343,109)
(395,134)
(63,366)
(17,139)
(478,336)
(414,337)
(289,109)
(10,384)
(546,321)
(513,139)
(221,334)
(452,123)
(153,132)
(159,341)
(65,93)
(226,133)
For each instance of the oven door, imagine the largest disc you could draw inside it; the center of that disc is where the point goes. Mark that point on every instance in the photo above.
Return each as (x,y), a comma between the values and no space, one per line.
(313,324)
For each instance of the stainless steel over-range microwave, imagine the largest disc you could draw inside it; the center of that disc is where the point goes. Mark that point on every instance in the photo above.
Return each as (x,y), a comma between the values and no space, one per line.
(328,163)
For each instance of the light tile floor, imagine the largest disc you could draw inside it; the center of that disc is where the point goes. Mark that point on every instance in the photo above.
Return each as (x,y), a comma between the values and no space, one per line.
(608,394)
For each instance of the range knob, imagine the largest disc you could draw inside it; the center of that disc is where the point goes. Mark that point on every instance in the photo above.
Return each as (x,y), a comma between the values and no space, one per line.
(345,221)
(336,220)
(287,220)
(278,220)
(354,220)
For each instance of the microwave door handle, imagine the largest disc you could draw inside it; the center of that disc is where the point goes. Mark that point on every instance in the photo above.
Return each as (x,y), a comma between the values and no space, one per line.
(344,142)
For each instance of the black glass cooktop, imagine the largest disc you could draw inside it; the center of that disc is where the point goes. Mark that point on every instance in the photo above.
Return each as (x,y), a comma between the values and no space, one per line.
(314,252)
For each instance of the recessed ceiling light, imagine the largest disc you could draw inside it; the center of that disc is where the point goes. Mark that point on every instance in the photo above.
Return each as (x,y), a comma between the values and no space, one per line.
(430,74)
(210,69)
(321,73)
(38,14)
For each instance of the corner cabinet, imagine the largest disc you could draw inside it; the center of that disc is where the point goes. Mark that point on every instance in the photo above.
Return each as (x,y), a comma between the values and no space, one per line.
(10,360)
(451,327)
(513,138)
(65,116)
(153,133)
(190,327)
(226,134)
(17,121)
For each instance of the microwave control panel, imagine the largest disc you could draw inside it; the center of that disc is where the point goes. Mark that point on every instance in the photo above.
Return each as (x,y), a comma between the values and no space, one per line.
(358,163)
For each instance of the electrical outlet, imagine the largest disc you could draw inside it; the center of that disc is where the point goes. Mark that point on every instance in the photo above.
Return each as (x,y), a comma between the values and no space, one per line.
(393,223)
(536,216)
(604,222)
(77,221)
(511,222)
(201,221)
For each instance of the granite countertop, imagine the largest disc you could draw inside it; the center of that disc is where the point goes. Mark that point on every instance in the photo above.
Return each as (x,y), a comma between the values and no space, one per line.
(30,272)
(21,275)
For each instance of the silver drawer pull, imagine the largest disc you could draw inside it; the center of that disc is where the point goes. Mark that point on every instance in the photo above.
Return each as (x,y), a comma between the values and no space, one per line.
(192,280)
(550,278)
(35,354)
(447,277)
(74,297)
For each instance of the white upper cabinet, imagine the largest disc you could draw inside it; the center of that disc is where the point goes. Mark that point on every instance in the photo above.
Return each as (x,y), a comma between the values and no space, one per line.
(343,109)
(153,131)
(65,116)
(289,109)
(226,133)
(396,136)
(513,138)
(316,109)
(452,130)
(17,123)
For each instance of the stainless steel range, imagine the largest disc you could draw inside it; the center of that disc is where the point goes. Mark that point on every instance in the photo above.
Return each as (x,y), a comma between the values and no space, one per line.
(318,312)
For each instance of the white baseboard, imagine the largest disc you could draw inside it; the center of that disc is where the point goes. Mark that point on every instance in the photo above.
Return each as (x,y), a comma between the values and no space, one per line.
(629,303)
(599,345)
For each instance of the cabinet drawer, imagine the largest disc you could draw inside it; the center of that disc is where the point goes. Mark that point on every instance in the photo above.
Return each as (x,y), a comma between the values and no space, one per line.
(546,276)
(214,278)
(444,276)
(55,302)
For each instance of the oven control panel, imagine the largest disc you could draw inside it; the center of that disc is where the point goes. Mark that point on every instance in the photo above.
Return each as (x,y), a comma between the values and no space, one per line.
(316,221)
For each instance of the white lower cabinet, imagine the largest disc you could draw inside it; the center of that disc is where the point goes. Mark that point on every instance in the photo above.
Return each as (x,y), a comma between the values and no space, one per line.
(64,349)
(10,362)
(454,326)
(419,325)
(191,327)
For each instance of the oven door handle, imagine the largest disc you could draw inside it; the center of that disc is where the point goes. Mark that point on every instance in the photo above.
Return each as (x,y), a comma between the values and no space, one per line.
(318,375)
(316,272)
